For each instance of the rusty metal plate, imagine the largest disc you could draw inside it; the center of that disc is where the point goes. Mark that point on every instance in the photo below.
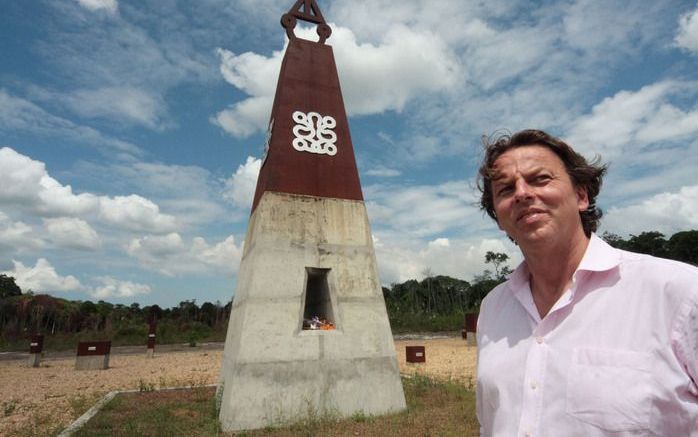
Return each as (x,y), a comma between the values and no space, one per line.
(36,346)
(471,322)
(415,354)
(87,348)
(308,82)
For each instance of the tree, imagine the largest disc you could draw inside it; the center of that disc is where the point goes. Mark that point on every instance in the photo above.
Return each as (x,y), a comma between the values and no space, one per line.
(153,313)
(651,243)
(8,287)
(497,259)
(428,273)
(683,246)
(207,313)
(480,287)
(614,240)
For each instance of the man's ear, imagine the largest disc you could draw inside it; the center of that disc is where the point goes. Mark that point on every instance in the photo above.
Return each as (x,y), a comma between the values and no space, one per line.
(582,198)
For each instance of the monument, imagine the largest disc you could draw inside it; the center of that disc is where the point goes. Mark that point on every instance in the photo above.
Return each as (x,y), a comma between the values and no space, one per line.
(150,343)
(93,355)
(308,331)
(36,349)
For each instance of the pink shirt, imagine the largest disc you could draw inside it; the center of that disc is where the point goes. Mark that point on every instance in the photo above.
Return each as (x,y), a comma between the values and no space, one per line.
(616,355)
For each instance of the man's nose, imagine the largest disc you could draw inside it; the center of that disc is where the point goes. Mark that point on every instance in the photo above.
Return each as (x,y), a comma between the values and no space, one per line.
(522,191)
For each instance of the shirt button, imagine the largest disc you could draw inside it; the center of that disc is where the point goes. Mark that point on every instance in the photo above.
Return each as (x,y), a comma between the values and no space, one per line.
(539,340)
(534,385)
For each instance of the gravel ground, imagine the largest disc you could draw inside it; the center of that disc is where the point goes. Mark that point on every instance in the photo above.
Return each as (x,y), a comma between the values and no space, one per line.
(35,401)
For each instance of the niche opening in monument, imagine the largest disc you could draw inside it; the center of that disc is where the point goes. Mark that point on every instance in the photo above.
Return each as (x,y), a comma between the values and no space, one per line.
(317,308)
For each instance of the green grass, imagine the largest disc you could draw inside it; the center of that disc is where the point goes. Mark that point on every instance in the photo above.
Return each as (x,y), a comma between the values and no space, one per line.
(434,408)
(188,412)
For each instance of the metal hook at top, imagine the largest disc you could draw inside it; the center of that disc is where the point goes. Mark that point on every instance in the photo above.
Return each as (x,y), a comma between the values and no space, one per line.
(306,10)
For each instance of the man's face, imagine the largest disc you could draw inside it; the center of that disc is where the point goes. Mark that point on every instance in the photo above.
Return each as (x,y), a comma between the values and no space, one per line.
(534,198)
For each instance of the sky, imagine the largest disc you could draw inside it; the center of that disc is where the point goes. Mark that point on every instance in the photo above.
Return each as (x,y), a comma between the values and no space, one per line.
(131,132)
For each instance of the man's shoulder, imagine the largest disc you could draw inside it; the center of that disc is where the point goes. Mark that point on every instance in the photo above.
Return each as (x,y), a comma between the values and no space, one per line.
(675,279)
(648,265)
(498,294)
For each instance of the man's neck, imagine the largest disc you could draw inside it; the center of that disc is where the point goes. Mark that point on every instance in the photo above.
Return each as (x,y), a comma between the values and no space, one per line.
(551,269)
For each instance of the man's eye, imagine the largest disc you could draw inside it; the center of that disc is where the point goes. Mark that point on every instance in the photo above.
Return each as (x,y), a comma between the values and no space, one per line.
(504,190)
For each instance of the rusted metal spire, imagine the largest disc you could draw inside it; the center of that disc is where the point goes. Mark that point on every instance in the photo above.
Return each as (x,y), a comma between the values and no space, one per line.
(306,10)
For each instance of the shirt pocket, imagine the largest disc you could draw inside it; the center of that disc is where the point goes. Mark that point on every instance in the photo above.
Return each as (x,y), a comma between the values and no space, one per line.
(610,388)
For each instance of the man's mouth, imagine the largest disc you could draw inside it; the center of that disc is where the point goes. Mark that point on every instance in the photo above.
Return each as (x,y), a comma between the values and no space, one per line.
(528,213)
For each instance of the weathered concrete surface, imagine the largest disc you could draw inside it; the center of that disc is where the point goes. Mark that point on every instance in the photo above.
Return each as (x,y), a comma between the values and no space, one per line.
(34,360)
(92,362)
(275,372)
(471,339)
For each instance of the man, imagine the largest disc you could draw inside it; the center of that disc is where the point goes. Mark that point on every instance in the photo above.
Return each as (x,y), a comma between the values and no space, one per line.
(583,339)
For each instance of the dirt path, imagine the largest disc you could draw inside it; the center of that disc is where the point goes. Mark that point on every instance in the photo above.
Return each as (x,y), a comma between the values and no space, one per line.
(36,401)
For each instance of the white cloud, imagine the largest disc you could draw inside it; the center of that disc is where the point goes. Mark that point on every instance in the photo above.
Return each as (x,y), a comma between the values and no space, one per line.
(195,201)
(439,242)
(120,68)
(17,236)
(687,35)
(519,66)
(171,256)
(225,255)
(257,76)
(156,246)
(591,28)
(637,119)
(367,75)
(135,213)
(18,114)
(240,187)
(110,6)
(115,288)
(244,118)
(72,233)
(664,212)
(383,172)
(399,261)
(27,185)
(424,210)
(42,278)
(367,72)
(124,103)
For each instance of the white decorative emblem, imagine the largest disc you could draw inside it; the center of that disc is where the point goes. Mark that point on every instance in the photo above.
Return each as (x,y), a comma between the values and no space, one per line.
(314,133)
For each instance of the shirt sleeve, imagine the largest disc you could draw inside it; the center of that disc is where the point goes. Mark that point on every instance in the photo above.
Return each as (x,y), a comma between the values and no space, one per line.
(686,339)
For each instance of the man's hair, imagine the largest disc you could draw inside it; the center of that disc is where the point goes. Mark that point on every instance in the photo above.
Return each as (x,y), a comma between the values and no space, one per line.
(588,175)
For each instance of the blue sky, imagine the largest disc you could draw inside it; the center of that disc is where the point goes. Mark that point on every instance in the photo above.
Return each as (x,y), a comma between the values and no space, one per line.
(131,131)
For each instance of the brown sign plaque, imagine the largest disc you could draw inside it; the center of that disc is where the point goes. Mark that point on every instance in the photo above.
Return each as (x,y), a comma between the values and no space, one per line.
(36,346)
(415,354)
(88,348)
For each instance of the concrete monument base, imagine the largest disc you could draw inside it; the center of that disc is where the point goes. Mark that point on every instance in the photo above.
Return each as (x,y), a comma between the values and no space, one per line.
(274,371)
(34,360)
(92,362)
(471,339)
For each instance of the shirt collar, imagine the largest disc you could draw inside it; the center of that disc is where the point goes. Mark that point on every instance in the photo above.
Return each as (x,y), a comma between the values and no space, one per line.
(598,257)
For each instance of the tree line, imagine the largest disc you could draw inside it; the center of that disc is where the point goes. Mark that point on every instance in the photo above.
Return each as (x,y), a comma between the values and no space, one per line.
(436,303)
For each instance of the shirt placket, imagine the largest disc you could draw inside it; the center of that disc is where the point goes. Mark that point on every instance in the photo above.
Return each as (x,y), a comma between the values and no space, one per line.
(536,360)
(534,381)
